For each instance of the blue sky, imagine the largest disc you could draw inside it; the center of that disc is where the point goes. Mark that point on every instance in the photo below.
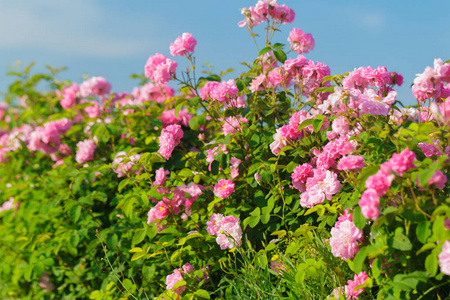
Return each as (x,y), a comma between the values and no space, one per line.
(114,38)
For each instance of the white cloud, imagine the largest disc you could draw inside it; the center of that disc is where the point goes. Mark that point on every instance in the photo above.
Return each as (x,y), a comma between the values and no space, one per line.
(372,20)
(67,27)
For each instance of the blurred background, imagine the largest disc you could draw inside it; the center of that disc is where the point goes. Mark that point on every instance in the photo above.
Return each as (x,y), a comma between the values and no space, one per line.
(114,38)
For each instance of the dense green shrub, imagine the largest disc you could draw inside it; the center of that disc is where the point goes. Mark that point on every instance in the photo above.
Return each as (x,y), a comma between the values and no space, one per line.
(318,185)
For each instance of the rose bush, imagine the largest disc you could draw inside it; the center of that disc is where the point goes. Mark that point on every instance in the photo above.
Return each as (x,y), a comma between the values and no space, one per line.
(285,181)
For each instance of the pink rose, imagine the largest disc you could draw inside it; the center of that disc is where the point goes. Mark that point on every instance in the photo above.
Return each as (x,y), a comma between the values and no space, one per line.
(230,233)
(301,42)
(160,69)
(341,125)
(85,151)
(160,176)
(400,163)
(172,279)
(438,180)
(70,94)
(214,224)
(359,279)
(224,188)
(369,204)
(170,137)
(351,163)
(183,45)
(344,240)
(380,182)
(233,124)
(96,86)
(444,258)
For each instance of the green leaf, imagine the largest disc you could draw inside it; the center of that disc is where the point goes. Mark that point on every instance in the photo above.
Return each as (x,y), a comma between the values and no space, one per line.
(291,166)
(280,55)
(300,276)
(358,218)
(317,124)
(262,259)
(240,84)
(135,250)
(254,220)
(426,247)
(431,264)
(178,107)
(425,176)
(265,218)
(401,242)
(327,78)
(144,200)
(128,207)
(139,236)
(86,200)
(38,268)
(215,167)
(270,246)
(179,284)
(185,173)
(305,123)
(292,248)
(423,231)
(202,294)
(111,241)
(376,268)
(360,258)
(264,51)
(74,240)
(214,77)
(193,123)
(123,184)
(405,282)
(329,89)
(256,212)
(255,139)
(152,231)
(75,212)
(148,272)
(278,46)
(137,255)
(28,271)
(129,285)
(154,194)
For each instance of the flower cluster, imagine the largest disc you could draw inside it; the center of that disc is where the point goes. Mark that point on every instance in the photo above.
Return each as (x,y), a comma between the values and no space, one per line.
(95,86)
(170,137)
(345,237)
(265,10)
(47,138)
(85,151)
(326,163)
(153,92)
(377,185)
(122,168)
(226,229)
(160,69)
(433,82)
(220,91)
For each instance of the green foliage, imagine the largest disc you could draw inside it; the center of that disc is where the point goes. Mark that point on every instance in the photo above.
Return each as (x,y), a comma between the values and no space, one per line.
(82,230)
